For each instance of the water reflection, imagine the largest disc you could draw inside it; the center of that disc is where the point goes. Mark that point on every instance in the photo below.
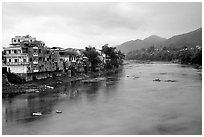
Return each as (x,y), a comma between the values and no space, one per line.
(20,108)
(117,104)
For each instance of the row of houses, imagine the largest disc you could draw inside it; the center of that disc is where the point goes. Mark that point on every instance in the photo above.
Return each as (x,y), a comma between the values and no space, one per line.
(32,59)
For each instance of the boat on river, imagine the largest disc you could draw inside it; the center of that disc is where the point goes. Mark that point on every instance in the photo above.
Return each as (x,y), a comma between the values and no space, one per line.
(58,111)
(36,113)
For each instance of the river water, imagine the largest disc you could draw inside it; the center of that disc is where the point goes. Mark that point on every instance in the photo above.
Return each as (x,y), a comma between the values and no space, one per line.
(127,102)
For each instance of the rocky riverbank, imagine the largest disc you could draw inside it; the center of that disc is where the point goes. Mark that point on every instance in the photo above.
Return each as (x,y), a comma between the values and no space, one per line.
(46,85)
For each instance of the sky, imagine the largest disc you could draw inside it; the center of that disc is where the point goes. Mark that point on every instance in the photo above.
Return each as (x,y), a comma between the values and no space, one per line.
(77,25)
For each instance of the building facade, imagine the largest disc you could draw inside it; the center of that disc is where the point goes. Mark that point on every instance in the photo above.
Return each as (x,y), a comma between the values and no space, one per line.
(30,58)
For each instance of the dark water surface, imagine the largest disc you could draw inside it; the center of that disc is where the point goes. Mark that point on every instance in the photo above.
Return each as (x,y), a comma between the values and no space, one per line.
(128,102)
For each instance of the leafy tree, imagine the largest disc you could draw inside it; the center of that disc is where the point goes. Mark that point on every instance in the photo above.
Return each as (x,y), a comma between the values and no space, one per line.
(93,57)
(115,58)
(184,55)
(150,49)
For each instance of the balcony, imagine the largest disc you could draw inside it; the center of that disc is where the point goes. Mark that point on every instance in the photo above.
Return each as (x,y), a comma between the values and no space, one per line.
(35,70)
(16,55)
(35,54)
(35,62)
(16,63)
(35,47)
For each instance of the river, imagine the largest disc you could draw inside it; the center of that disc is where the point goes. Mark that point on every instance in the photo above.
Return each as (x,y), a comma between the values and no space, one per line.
(129,102)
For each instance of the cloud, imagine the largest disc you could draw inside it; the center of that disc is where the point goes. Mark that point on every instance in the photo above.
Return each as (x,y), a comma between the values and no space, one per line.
(80,24)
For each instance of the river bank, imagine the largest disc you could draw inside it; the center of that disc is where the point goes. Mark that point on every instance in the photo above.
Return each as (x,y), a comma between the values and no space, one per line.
(138,100)
(44,85)
(196,66)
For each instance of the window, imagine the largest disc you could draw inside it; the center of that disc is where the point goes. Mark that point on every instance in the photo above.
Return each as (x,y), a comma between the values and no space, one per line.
(31,59)
(35,51)
(24,60)
(14,40)
(40,50)
(19,40)
(15,60)
(48,51)
(15,51)
(31,40)
(24,50)
(40,58)
(9,60)
(8,51)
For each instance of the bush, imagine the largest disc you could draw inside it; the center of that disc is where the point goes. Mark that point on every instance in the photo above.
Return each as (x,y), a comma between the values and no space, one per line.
(13,78)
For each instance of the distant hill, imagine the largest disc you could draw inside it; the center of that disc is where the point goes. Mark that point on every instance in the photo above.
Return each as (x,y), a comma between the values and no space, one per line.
(188,39)
(138,44)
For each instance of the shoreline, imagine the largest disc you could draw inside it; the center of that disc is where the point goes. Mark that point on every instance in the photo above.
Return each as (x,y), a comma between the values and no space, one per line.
(45,85)
(196,66)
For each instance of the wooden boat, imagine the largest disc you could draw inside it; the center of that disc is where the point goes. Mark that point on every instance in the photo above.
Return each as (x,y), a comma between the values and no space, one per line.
(58,111)
(36,113)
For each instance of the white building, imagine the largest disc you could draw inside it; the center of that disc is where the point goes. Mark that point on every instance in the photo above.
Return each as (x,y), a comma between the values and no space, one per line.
(16,60)
(19,39)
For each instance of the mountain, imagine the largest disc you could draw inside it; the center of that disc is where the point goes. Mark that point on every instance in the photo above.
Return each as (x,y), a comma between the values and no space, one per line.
(187,39)
(138,44)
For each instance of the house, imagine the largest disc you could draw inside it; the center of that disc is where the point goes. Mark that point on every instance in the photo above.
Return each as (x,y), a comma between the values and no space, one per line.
(198,47)
(29,58)
(16,60)
(17,39)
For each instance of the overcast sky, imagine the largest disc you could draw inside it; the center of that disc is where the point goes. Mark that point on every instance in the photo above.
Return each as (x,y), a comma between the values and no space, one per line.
(78,25)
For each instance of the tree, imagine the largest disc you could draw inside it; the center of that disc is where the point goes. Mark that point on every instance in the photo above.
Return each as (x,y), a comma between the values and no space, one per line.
(115,57)
(92,55)
(150,49)
(121,56)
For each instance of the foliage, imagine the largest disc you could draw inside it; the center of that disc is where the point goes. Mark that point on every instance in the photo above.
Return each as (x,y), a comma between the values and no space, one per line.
(114,58)
(13,78)
(93,57)
(183,55)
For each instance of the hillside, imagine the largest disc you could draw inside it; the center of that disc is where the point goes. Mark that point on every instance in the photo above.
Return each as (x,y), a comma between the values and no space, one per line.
(138,44)
(188,39)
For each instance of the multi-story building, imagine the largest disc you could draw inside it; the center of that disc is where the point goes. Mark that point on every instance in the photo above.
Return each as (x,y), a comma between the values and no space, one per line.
(29,58)
(64,57)
(16,60)
(18,39)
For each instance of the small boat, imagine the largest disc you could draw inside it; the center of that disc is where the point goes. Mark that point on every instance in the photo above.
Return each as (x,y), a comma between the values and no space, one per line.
(36,113)
(157,80)
(49,87)
(170,81)
(58,111)
(37,91)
